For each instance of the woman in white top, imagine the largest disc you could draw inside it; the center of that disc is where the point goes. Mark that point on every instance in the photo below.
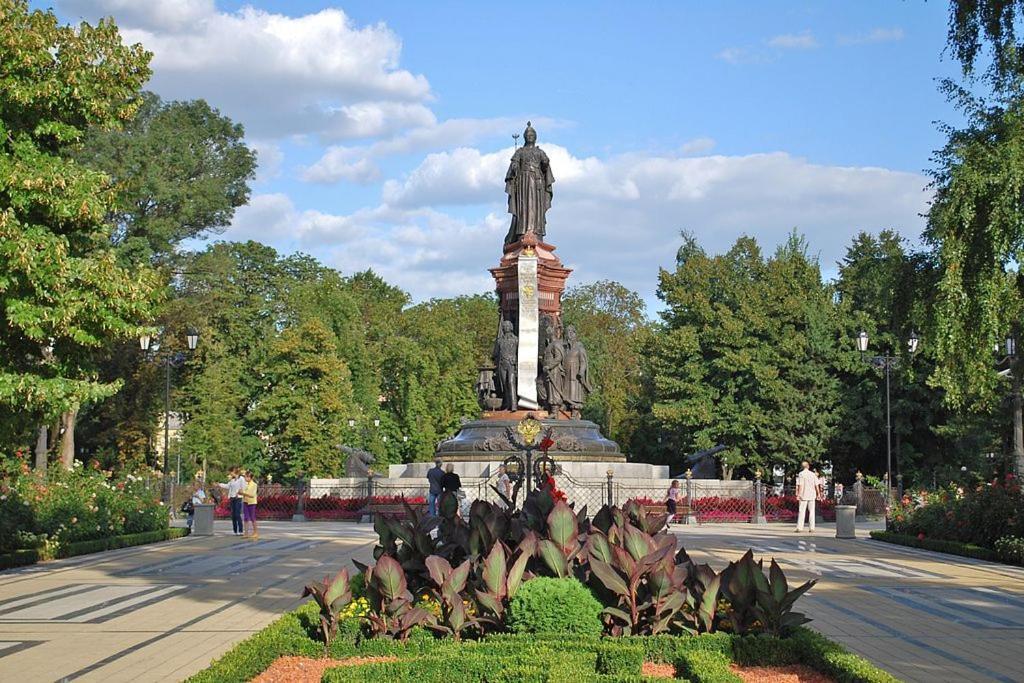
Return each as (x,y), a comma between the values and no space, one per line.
(672,500)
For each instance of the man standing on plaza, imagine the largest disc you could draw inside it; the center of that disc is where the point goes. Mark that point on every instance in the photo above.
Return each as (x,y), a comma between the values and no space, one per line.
(806,493)
(434,476)
(234,491)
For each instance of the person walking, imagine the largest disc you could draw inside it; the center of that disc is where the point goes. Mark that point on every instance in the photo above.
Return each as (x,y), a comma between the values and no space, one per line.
(198,498)
(806,493)
(504,485)
(249,501)
(434,476)
(672,500)
(236,482)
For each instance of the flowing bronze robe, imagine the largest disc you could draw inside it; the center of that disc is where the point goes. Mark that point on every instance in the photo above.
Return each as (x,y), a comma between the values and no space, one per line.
(528,184)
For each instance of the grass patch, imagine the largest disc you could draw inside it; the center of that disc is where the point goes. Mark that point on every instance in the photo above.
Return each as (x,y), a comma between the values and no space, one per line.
(531,658)
(938,545)
(20,558)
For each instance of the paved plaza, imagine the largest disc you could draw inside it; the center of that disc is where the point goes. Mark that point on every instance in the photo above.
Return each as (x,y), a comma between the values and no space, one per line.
(163,612)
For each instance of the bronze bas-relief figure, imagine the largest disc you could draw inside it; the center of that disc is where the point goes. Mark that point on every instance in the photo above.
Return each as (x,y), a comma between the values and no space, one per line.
(528,185)
(506,358)
(576,370)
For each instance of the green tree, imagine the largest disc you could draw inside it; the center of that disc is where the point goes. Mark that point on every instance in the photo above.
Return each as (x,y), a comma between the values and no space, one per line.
(180,168)
(63,296)
(743,356)
(610,320)
(306,401)
(976,223)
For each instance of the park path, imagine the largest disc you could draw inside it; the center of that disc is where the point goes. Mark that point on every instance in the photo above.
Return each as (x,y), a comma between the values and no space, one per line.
(920,615)
(161,612)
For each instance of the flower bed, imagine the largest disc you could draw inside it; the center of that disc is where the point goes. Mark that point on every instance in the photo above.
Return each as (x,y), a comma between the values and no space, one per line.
(710,509)
(531,657)
(47,512)
(326,507)
(982,516)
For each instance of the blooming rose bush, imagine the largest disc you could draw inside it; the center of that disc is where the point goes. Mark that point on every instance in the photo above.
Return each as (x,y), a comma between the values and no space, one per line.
(980,516)
(81,504)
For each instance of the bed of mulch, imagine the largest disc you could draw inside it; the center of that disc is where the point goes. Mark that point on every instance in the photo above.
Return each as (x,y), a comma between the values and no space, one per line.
(307,669)
(656,670)
(780,674)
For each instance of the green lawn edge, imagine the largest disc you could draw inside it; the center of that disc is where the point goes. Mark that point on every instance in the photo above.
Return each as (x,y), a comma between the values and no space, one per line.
(21,558)
(528,657)
(976,552)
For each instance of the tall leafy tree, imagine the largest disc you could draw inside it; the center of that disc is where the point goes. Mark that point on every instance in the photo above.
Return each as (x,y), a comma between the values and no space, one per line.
(180,168)
(976,222)
(744,355)
(307,400)
(610,320)
(63,296)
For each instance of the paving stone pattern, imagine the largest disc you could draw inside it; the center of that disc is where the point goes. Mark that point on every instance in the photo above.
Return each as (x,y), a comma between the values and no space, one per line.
(163,612)
(923,616)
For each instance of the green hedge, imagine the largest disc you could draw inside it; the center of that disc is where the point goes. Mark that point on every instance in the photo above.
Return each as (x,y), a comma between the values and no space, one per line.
(620,659)
(19,558)
(706,666)
(938,545)
(533,658)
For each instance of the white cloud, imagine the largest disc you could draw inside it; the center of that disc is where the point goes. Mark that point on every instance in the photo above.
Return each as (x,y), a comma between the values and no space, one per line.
(337,161)
(875,35)
(794,41)
(317,73)
(342,163)
(699,145)
(269,158)
(616,218)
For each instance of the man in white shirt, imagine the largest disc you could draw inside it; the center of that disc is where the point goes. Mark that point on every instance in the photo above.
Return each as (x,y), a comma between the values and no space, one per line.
(236,482)
(504,484)
(806,493)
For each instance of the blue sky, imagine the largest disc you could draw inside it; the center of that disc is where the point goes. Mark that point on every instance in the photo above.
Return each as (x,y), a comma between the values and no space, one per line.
(384,128)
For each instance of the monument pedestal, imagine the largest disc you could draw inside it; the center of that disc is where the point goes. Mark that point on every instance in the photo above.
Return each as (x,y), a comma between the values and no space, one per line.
(486,441)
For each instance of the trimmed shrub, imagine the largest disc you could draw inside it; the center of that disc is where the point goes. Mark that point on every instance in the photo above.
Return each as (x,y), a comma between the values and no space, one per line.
(937,545)
(706,666)
(826,656)
(546,605)
(20,558)
(620,659)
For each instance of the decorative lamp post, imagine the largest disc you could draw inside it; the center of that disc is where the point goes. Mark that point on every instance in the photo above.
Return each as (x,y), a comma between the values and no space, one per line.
(1009,352)
(169,360)
(887,363)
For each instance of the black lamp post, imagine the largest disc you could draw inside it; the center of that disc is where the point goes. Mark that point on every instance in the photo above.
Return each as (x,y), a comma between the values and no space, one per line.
(887,363)
(1008,349)
(169,360)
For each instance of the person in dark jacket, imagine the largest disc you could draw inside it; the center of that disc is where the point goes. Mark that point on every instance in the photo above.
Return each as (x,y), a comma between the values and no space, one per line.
(450,482)
(434,476)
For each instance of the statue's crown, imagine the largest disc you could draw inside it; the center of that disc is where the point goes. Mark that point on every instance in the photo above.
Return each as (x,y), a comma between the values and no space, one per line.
(529,129)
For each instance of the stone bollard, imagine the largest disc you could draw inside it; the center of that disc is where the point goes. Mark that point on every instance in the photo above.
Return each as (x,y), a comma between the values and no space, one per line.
(202,521)
(846,524)
(758,516)
(300,506)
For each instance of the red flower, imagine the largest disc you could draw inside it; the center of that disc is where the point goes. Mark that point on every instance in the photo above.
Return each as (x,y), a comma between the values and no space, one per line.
(920,536)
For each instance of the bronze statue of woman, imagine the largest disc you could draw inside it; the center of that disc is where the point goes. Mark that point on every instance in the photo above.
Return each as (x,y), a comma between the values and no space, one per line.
(528,185)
